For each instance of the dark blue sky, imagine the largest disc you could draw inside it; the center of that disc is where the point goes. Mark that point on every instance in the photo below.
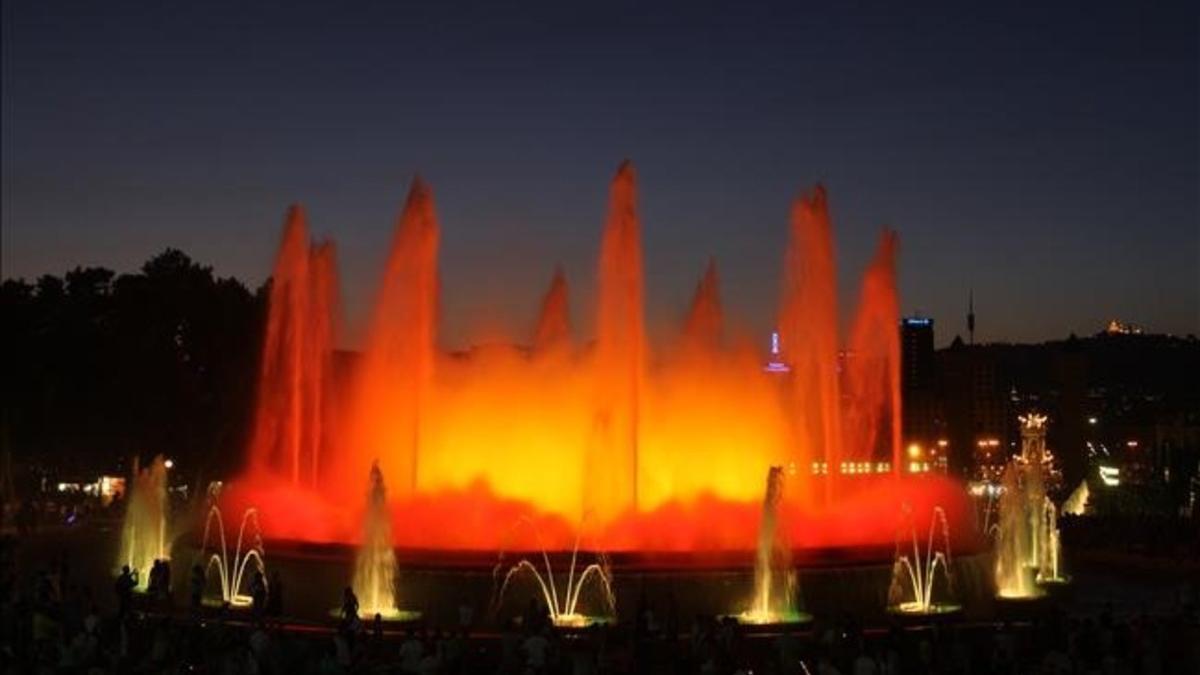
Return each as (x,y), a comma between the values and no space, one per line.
(1045,157)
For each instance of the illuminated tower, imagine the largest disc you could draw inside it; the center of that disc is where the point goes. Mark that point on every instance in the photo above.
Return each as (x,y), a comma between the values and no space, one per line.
(1033,439)
(917,381)
(775,362)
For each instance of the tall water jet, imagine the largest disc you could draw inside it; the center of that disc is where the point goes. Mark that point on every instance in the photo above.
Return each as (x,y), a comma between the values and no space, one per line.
(1033,484)
(1077,502)
(1014,541)
(872,363)
(1046,542)
(703,326)
(292,412)
(323,282)
(918,573)
(375,568)
(775,598)
(144,531)
(663,454)
(397,363)
(611,461)
(1028,544)
(554,323)
(808,329)
(1050,566)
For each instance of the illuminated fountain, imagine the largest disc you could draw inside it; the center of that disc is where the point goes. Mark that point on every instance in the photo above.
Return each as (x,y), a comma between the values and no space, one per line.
(1050,567)
(564,608)
(1077,502)
(375,569)
(663,448)
(915,577)
(775,590)
(144,531)
(232,573)
(1028,544)
(1015,575)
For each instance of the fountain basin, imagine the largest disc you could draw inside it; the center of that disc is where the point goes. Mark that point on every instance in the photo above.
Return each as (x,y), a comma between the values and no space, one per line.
(1022,608)
(238,601)
(1053,582)
(581,620)
(933,609)
(438,583)
(393,615)
(1058,588)
(765,619)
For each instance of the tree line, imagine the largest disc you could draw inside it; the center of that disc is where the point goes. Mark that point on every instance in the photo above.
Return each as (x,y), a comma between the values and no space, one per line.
(99,367)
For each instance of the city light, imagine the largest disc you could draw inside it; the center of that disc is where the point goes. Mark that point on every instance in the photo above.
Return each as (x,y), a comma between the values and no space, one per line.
(111,486)
(170,464)
(1110,476)
(1093,421)
(914,451)
(775,364)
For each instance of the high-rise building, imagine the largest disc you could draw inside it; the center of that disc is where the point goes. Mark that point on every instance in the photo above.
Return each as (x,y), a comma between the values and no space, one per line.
(921,410)
(976,406)
(917,360)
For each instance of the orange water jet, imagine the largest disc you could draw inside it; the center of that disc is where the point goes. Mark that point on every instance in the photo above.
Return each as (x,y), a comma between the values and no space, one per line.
(290,422)
(645,451)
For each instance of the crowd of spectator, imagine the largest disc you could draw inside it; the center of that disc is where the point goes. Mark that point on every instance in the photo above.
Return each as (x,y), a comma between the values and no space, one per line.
(50,622)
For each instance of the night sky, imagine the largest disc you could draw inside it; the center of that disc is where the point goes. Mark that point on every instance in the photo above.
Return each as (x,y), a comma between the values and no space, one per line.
(1046,158)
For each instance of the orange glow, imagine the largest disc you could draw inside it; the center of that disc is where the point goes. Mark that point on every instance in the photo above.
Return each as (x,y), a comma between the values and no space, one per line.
(643,450)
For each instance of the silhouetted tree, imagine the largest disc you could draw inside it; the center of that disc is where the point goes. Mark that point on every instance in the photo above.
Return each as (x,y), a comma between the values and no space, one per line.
(99,367)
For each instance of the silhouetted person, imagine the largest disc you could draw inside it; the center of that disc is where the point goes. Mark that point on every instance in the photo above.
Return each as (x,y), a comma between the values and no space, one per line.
(153,579)
(197,586)
(534,617)
(411,651)
(258,594)
(164,581)
(158,583)
(275,596)
(349,605)
(126,582)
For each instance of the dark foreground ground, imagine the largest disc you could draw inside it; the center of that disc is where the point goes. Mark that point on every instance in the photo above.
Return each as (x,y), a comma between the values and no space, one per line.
(59,614)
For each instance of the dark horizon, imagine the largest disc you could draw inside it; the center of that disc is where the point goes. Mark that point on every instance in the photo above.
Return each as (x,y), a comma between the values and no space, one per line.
(1047,161)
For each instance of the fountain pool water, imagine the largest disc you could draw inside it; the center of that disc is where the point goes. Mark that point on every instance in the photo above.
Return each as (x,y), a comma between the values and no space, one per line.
(918,573)
(144,531)
(232,573)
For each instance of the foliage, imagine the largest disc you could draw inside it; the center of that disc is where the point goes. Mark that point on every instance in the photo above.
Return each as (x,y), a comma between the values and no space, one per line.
(99,367)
